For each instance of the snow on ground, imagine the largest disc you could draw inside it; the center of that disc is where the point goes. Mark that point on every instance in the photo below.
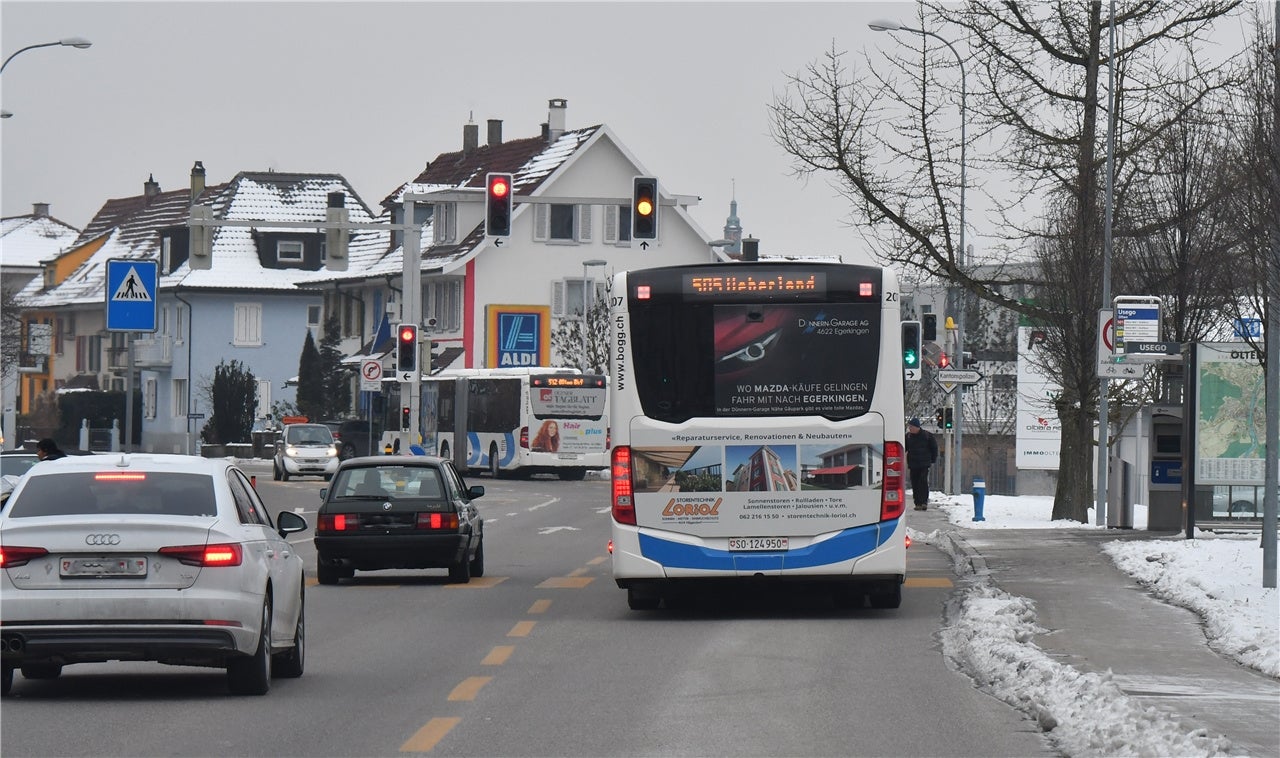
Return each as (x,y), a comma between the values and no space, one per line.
(990,633)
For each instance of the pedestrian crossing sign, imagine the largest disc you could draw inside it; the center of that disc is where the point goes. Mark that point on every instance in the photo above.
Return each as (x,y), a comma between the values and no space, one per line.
(131,295)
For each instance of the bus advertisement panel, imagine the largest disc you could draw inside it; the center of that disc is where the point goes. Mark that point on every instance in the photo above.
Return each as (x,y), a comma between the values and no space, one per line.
(763,431)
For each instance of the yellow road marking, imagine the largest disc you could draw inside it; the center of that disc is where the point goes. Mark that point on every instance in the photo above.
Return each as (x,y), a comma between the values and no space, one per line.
(425,739)
(928,581)
(469,688)
(567,582)
(521,629)
(498,655)
(578,571)
(479,582)
(597,560)
(311,581)
(540,606)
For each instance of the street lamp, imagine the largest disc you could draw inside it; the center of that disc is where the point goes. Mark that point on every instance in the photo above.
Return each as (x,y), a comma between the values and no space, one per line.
(588,292)
(78,42)
(884,25)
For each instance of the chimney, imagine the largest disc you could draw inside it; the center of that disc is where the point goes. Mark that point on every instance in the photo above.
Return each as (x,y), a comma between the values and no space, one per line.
(555,117)
(750,249)
(40,210)
(197,180)
(470,138)
(150,188)
(495,132)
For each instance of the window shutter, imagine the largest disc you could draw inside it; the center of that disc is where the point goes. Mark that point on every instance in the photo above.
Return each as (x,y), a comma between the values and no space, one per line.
(541,222)
(584,223)
(557,299)
(455,304)
(610,224)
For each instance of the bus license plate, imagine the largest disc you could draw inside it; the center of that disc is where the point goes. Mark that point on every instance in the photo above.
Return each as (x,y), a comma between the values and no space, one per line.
(743,544)
(104,566)
(569,456)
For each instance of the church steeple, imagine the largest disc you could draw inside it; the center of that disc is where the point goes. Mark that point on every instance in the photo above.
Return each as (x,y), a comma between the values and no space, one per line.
(733,227)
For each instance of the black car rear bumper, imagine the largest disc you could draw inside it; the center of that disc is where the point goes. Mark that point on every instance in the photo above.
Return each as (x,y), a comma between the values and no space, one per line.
(392,551)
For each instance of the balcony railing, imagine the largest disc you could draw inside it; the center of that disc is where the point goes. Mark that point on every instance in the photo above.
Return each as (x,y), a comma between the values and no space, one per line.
(157,351)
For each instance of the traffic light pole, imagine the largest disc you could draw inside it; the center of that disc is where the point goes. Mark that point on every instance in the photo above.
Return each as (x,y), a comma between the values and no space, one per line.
(411,312)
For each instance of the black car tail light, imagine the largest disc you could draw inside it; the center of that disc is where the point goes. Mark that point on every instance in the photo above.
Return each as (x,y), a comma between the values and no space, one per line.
(221,554)
(12,556)
(338,522)
(438,521)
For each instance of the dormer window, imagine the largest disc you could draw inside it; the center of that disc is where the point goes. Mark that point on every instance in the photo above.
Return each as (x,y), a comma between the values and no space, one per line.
(289,251)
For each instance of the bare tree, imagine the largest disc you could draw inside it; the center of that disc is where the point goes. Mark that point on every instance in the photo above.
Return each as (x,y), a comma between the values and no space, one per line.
(880,136)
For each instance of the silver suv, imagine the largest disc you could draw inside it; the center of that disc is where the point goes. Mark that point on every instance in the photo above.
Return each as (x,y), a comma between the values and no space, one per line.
(305,450)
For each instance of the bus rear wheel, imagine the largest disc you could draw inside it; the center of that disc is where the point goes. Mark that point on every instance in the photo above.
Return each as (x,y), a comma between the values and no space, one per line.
(495,467)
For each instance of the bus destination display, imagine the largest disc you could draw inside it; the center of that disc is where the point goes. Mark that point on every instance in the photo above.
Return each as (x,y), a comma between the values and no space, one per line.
(711,285)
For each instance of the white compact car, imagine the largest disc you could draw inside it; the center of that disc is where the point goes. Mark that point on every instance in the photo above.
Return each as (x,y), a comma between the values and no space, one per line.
(305,450)
(138,557)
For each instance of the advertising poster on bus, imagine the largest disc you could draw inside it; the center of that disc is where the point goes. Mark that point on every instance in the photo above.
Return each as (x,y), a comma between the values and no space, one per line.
(794,359)
(568,418)
(754,485)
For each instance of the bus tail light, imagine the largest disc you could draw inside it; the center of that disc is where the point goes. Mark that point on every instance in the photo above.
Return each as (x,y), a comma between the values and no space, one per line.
(524,437)
(624,506)
(892,497)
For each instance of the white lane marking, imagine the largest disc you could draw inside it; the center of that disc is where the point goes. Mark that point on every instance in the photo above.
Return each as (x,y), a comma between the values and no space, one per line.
(554,529)
(552,501)
(604,510)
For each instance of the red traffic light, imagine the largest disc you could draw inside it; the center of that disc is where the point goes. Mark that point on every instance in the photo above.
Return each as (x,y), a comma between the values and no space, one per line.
(498,186)
(944,361)
(408,334)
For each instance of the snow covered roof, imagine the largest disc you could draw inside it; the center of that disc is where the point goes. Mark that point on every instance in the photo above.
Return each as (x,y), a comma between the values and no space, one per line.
(26,241)
(530,161)
(134,229)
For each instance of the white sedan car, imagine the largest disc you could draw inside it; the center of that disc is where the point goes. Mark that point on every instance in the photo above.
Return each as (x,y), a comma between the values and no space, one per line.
(139,557)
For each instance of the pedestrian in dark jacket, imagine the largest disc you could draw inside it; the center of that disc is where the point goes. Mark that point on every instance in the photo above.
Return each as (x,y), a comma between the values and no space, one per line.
(922,452)
(48,450)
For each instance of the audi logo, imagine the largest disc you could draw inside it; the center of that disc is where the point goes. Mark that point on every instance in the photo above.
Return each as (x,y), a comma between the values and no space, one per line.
(102,539)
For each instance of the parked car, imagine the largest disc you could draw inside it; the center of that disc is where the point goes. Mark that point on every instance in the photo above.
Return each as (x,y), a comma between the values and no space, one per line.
(16,462)
(353,437)
(140,557)
(399,512)
(305,450)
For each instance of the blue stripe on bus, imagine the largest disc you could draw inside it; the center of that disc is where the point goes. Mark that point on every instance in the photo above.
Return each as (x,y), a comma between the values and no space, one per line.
(849,544)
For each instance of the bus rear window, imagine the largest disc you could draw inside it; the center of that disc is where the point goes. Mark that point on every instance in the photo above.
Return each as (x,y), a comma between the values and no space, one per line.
(772,358)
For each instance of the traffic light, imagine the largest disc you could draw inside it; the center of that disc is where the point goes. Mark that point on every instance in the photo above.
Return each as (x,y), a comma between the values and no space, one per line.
(497,218)
(407,348)
(944,361)
(939,418)
(644,208)
(948,420)
(405,423)
(930,327)
(911,344)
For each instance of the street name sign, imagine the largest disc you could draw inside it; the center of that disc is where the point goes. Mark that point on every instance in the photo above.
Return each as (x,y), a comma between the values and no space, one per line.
(1153,348)
(949,379)
(131,295)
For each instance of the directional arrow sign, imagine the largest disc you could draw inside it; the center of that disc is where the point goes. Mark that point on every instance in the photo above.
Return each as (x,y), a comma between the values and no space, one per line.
(404,376)
(959,376)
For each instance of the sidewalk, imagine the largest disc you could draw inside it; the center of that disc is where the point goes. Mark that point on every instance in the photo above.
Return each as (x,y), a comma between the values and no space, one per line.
(1099,620)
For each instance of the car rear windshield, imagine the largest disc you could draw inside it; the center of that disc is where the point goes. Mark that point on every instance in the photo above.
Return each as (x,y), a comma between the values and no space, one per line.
(388,482)
(77,493)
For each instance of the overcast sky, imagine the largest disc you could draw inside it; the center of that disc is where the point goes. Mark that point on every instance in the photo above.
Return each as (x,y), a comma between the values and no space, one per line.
(375,90)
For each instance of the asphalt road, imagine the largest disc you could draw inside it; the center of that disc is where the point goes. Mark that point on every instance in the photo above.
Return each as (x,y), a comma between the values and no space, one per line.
(542,657)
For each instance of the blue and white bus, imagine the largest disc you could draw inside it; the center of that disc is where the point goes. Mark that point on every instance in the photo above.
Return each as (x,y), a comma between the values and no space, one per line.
(758,429)
(519,420)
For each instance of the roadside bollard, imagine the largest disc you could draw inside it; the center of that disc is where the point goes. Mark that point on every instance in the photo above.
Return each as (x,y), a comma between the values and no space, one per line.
(979,495)
(386,449)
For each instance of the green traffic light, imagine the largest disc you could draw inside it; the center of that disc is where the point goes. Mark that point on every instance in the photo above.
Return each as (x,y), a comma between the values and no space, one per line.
(910,359)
